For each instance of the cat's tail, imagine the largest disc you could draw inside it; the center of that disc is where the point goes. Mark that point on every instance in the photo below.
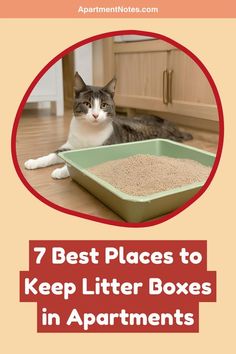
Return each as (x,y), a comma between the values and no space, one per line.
(175,134)
(180,136)
(186,136)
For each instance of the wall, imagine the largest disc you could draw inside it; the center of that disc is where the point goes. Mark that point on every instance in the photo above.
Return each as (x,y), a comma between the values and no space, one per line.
(84,63)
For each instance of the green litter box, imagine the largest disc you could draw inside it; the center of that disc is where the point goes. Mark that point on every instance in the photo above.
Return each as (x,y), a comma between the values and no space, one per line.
(134,208)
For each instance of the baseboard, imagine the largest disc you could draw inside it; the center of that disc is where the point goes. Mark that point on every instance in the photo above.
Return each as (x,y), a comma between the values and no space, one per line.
(192,122)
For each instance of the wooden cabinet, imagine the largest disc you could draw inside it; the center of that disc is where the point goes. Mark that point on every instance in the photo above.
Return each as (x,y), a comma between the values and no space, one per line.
(156,76)
(140,79)
(190,90)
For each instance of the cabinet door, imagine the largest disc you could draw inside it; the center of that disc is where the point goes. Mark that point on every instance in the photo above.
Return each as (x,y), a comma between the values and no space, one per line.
(191,92)
(140,79)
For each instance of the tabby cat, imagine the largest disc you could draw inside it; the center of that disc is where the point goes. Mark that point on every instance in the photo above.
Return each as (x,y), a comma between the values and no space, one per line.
(95,123)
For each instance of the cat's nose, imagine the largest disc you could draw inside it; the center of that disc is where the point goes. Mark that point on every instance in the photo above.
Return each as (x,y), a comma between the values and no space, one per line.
(95,116)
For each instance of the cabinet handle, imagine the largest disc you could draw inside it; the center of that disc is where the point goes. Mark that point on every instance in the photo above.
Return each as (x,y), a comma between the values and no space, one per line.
(165,87)
(169,85)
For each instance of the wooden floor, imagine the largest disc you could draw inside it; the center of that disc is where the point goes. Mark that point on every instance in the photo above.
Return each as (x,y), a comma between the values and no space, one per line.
(40,133)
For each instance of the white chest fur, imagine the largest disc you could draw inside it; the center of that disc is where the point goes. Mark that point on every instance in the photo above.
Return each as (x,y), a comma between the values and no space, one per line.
(84,134)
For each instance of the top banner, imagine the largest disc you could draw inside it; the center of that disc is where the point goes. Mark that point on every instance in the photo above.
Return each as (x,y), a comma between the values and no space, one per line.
(118,9)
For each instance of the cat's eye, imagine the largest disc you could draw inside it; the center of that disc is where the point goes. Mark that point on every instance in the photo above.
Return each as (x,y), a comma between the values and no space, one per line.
(104,105)
(87,104)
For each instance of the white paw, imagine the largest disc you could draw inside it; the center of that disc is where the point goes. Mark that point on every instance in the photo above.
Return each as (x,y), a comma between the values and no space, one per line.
(31,164)
(60,173)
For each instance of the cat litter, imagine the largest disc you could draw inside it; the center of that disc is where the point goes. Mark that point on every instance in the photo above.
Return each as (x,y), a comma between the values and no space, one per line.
(144,197)
(141,175)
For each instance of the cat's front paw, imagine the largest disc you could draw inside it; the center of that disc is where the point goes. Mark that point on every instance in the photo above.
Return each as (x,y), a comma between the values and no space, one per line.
(60,173)
(31,164)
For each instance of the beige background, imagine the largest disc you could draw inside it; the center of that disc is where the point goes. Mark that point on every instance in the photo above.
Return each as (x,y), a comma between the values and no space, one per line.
(27,45)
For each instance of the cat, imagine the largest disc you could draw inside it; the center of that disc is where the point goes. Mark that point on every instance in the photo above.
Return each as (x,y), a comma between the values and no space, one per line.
(95,123)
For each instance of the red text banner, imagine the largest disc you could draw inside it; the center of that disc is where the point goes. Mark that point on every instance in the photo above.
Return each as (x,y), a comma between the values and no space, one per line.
(118,286)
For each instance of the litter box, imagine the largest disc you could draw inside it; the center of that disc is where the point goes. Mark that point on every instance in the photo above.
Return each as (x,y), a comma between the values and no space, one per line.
(134,208)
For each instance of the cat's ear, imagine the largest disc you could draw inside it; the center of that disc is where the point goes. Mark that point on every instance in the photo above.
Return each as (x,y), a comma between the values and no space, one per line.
(79,84)
(110,87)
